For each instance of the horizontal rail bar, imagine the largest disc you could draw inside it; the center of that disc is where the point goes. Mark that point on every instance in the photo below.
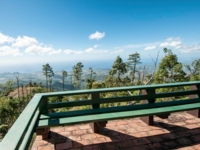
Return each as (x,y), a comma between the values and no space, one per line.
(70,104)
(127,88)
(29,133)
(123,99)
(91,102)
(178,93)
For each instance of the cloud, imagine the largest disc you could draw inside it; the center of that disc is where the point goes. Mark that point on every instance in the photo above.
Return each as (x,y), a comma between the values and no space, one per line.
(24,41)
(117,50)
(140,45)
(5,39)
(55,52)
(150,47)
(171,42)
(91,50)
(33,49)
(69,51)
(189,48)
(7,50)
(97,35)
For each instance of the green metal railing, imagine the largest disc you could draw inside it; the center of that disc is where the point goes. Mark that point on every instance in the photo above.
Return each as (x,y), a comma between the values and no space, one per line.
(20,134)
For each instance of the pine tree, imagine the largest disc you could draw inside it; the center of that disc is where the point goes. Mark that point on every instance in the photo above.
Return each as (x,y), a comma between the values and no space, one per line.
(170,70)
(77,71)
(64,74)
(48,72)
(118,68)
(134,60)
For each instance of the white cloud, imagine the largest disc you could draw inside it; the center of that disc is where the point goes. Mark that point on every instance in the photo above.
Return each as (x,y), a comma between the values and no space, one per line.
(24,41)
(89,50)
(38,49)
(150,47)
(118,50)
(7,50)
(97,35)
(171,42)
(55,52)
(140,45)
(69,51)
(190,48)
(5,39)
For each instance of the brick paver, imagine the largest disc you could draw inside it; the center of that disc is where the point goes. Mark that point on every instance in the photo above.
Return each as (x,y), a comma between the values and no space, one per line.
(180,131)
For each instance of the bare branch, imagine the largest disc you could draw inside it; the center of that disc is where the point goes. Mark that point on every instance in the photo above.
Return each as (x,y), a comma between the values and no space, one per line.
(143,76)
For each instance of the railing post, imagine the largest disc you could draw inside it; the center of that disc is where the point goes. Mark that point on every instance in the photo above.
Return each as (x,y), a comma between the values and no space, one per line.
(151,99)
(43,110)
(95,99)
(148,119)
(96,125)
(195,112)
(151,95)
(43,105)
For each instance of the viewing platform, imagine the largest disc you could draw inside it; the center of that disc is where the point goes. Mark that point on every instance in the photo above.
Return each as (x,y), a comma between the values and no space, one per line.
(180,131)
(157,116)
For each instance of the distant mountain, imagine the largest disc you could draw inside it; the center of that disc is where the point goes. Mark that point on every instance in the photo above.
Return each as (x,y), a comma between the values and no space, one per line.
(25,78)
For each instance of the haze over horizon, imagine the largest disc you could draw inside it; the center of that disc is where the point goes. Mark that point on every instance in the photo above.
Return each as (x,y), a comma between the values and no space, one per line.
(63,33)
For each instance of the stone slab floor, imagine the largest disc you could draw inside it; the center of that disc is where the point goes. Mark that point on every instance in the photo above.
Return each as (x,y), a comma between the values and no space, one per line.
(180,131)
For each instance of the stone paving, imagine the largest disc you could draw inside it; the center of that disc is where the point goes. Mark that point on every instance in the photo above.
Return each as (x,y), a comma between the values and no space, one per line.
(180,131)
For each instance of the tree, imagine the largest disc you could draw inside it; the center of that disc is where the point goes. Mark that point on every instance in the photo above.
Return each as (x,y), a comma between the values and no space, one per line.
(194,70)
(90,80)
(17,78)
(134,60)
(165,50)
(77,71)
(91,72)
(48,72)
(64,74)
(50,79)
(118,68)
(6,88)
(170,70)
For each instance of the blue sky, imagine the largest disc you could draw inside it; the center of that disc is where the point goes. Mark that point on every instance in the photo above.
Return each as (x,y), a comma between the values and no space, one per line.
(64,32)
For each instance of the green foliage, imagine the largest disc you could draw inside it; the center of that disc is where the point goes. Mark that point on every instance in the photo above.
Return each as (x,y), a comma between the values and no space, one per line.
(64,74)
(38,90)
(90,81)
(134,60)
(77,70)
(10,109)
(6,88)
(194,70)
(48,72)
(170,70)
(118,69)
(97,85)
(4,128)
